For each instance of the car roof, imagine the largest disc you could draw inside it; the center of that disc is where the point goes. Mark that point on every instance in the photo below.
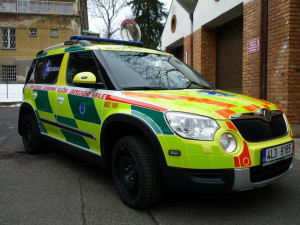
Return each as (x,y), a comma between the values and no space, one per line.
(93,43)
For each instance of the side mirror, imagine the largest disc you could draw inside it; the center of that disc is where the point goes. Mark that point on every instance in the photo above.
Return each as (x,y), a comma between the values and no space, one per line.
(87,79)
(84,78)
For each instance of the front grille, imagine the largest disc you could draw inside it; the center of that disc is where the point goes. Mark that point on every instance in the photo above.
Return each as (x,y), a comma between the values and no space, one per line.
(261,173)
(255,130)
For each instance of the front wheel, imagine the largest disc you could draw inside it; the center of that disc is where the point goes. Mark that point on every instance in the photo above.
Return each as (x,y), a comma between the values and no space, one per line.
(31,135)
(136,172)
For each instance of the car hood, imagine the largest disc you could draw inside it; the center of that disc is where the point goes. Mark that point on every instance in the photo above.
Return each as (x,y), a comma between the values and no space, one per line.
(216,104)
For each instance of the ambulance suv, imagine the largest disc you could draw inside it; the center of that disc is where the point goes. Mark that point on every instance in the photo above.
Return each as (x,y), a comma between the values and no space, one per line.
(151,120)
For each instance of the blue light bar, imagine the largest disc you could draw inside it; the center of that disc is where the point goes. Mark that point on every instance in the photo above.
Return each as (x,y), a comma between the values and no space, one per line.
(106,40)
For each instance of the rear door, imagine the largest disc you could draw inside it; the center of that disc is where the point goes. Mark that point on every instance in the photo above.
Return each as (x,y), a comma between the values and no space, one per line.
(43,92)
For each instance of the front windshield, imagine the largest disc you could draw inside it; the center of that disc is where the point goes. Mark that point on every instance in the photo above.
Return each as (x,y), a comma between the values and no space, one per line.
(140,70)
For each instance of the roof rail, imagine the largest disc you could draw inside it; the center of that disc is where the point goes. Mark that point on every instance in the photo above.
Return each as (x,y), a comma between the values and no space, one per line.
(106,40)
(70,42)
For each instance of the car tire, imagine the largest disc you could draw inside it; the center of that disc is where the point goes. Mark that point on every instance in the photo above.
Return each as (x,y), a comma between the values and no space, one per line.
(31,137)
(136,173)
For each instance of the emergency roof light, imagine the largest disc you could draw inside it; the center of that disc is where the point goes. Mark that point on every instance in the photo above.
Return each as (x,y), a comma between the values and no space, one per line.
(106,40)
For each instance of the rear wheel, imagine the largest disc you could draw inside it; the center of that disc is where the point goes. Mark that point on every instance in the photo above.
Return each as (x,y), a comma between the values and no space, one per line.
(31,135)
(136,173)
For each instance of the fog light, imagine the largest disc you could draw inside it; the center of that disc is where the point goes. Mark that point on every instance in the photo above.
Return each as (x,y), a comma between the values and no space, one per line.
(228,143)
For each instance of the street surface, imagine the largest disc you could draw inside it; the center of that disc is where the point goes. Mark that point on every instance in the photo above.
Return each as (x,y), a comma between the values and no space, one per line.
(56,188)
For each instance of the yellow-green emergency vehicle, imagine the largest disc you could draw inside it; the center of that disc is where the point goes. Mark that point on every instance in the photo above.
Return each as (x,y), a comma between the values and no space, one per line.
(151,120)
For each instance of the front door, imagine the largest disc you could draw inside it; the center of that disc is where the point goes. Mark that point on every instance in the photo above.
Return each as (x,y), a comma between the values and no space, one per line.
(78,112)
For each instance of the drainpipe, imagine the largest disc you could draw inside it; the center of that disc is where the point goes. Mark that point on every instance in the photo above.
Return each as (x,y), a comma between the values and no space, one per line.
(265,52)
(192,37)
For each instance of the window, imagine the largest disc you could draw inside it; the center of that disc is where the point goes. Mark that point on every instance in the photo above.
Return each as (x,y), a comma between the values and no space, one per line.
(54,33)
(46,70)
(9,74)
(32,32)
(81,62)
(8,38)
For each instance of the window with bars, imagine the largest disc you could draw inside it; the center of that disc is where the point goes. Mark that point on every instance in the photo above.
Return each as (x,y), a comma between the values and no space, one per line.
(9,74)
(32,32)
(8,38)
(54,33)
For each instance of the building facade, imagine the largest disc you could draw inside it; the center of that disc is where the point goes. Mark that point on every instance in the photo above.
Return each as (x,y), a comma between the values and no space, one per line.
(244,46)
(27,26)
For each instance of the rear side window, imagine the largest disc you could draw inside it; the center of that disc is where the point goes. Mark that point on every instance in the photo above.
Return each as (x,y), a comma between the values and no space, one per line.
(46,70)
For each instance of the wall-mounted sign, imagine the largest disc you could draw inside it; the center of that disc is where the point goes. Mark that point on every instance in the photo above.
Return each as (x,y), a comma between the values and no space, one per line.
(253,46)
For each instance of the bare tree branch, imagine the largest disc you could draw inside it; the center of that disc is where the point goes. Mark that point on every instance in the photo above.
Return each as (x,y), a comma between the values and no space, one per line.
(107,11)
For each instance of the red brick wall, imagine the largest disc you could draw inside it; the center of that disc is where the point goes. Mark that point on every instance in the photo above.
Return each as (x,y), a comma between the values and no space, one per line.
(252,63)
(284,56)
(204,54)
(188,46)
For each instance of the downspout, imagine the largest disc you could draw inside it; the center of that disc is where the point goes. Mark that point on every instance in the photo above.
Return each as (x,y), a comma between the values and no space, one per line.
(192,37)
(265,52)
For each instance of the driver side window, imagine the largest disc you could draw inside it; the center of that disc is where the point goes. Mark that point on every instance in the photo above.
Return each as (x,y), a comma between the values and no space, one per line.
(81,62)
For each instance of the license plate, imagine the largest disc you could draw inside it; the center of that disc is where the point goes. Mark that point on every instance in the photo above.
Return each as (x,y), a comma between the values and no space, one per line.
(277,153)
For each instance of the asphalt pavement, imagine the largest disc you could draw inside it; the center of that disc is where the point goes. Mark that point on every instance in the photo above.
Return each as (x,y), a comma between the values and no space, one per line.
(56,188)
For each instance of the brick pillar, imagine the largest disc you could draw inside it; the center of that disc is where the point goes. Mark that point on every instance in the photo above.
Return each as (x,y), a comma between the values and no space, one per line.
(204,54)
(188,48)
(284,58)
(252,62)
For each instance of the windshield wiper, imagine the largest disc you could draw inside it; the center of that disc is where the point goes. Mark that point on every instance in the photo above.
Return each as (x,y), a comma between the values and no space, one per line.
(144,88)
(197,84)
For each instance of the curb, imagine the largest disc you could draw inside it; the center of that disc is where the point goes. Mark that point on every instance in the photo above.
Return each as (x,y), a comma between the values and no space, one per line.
(297,148)
(4,104)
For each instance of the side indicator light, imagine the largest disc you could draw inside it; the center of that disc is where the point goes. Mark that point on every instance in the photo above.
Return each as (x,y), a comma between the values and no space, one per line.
(174,152)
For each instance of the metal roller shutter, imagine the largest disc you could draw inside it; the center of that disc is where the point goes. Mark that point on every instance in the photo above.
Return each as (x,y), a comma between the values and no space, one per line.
(230,56)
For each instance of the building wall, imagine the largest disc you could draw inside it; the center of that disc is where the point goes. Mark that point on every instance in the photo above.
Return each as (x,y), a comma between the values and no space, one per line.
(183,26)
(188,50)
(204,53)
(27,46)
(252,62)
(207,11)
(284,57)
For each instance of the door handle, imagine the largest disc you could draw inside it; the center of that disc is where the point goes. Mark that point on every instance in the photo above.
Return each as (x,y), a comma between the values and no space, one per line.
(35,94)
(61,99)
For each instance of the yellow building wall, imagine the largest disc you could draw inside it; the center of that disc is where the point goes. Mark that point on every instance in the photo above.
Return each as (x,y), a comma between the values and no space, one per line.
(27,46)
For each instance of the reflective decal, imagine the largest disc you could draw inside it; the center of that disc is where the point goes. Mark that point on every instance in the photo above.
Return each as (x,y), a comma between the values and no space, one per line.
(47,69)
(80,93)
(215,93)
(244,159)
(226,113)
(251,108)
(82,108)
(231,126)
(179,97)
(134,102)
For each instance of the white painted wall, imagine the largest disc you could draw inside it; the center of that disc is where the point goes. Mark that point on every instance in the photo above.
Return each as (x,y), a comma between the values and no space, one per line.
(183,27)
(206,11)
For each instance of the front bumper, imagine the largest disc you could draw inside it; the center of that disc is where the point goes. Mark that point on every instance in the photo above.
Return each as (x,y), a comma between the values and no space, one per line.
(222,180)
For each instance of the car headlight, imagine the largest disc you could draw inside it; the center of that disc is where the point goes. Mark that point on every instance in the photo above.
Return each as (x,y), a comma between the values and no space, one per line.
(192,126)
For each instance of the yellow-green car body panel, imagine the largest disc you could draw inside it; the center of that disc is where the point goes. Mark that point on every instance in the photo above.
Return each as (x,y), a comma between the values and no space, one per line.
(75,115)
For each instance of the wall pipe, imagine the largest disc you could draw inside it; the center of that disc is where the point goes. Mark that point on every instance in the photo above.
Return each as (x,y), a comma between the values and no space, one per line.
(265,52)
